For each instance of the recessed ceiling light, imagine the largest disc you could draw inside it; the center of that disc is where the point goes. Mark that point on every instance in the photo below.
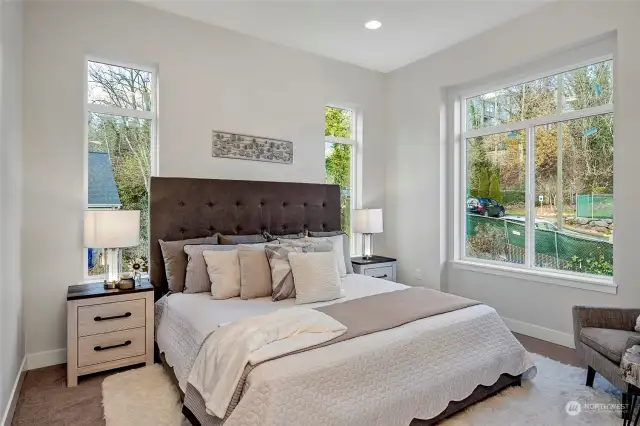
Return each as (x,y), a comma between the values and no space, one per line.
(373,25)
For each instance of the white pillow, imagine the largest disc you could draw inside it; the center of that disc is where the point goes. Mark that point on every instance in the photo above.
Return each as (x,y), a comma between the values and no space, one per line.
(223,268)
(336,242)
(315,276)
(638,324)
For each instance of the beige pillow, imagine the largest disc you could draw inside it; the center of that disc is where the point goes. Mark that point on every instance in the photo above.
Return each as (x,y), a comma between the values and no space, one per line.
(255,273)
(316,277)
(224,272)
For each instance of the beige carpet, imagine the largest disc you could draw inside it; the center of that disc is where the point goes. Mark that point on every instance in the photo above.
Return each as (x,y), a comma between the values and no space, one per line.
(146,396)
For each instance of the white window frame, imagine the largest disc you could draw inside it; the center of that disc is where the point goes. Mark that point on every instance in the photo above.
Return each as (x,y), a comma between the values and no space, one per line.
(528,270)
(353,142)
(122,112)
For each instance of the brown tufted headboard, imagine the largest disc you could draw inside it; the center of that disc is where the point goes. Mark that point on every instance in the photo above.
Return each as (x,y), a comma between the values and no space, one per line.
(182,208)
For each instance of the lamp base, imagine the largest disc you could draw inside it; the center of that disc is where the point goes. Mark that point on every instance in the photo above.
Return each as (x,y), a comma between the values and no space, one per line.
(367,246)
(113,268)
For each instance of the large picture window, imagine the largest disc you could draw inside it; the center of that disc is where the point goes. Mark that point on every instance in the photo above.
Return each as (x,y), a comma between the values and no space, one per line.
(120,141)
(339,158)
(538,173)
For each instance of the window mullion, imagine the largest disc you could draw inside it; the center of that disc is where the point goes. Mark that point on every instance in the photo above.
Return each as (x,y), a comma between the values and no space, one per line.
(121,112)
(530,201)
(540,121)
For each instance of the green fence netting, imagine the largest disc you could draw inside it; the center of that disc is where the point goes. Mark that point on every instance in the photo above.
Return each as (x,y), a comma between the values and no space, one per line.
(504,240)
(594,206)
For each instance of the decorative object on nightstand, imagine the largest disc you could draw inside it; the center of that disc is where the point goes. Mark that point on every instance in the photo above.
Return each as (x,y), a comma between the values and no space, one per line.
(375,266)
(630,367)
(112,230)
(367,222)
(108,328)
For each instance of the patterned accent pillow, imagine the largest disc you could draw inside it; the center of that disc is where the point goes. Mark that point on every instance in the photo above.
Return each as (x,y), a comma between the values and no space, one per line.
(271,238)
(281,276)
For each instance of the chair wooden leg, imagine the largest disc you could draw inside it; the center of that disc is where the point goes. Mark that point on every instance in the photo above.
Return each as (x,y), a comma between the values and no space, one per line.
(625,406)
(591,374)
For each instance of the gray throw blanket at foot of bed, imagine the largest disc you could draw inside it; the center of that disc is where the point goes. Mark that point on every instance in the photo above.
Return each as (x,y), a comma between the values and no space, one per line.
(372,314)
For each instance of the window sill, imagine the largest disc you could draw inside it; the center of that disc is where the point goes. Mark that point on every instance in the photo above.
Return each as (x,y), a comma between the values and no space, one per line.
(602,285)
(100,278)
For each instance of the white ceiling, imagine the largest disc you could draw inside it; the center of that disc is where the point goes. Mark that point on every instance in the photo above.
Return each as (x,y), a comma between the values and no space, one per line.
(410,30)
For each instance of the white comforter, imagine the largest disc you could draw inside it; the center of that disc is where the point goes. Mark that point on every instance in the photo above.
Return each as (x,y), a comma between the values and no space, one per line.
(384,379)
(224,356)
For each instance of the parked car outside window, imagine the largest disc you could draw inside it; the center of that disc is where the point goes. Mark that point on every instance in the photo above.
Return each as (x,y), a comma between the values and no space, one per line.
(484,206)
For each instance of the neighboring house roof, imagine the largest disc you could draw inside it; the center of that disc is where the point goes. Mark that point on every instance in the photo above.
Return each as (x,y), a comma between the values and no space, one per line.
(102,185)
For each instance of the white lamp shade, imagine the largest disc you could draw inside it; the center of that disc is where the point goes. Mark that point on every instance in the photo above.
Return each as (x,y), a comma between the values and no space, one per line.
(367,221)
(111,228)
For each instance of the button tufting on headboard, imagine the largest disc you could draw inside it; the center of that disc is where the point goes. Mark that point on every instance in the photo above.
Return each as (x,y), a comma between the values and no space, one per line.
(274,207)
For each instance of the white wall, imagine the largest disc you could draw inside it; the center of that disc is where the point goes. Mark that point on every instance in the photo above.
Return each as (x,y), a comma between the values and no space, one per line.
(209,78)
(417,168)
(12,344)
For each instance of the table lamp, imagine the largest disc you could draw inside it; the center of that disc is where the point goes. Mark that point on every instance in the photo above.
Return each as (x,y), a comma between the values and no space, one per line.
(112,230)
(367,222)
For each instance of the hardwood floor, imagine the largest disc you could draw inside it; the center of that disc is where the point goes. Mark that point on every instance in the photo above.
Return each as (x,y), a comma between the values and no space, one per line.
(45,398)
(550,350)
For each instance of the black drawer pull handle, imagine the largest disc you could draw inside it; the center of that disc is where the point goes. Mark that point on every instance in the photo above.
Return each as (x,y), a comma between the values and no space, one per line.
(382,276)
(127,315)
(104,348)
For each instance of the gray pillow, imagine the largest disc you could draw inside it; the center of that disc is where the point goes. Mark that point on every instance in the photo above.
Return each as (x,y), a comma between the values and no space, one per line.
(346,249)
(241,239)
(197,278)
(297,236)
(175,259)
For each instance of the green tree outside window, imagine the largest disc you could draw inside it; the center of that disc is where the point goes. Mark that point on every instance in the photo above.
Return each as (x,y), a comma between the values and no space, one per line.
(338,123)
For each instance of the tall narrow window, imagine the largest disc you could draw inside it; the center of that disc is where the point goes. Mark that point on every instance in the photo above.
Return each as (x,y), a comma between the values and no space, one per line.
(120,139)
(339,158)
(538,173)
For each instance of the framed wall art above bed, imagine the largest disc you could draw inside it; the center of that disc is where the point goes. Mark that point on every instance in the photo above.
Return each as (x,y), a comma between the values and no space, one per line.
(255,148)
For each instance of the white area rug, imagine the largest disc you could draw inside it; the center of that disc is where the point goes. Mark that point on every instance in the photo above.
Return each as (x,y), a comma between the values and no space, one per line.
(146,397)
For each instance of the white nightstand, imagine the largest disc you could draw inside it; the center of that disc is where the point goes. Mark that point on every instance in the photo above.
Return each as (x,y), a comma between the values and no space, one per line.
(108,329)
(376,266)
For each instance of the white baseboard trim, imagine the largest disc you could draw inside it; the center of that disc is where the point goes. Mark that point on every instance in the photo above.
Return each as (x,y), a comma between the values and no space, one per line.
(542,333)
(15,393)
(46,358)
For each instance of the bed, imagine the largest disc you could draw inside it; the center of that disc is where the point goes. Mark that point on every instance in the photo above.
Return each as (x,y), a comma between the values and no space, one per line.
(416,374)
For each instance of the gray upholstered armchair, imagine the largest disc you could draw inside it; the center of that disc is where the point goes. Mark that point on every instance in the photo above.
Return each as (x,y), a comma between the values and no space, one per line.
(602,335)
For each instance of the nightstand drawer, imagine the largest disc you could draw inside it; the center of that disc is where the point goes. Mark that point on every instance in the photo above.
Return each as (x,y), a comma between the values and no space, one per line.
(111,346)
(384,272)
(108,317)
